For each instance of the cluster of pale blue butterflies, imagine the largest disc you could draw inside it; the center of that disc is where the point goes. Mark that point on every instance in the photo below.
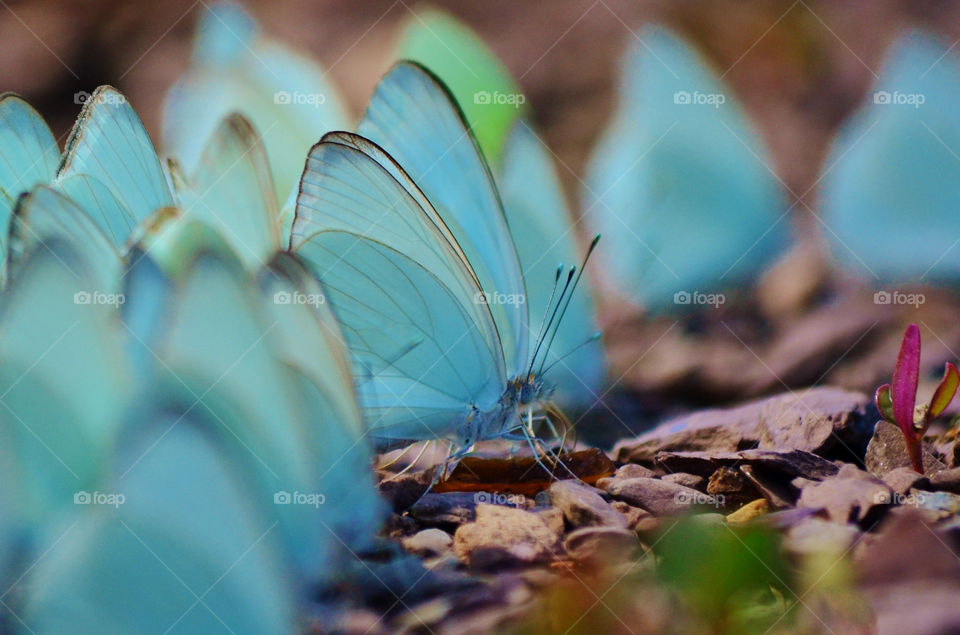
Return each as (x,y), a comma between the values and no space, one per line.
(198,357)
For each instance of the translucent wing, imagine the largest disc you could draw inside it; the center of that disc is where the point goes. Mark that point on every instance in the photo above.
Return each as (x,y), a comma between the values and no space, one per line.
(413,118)
(227,372)
(491,100)
(28,154)
(419,357)
(891,177)
(540,220)
(45,215)
(234,69)
(308,341)
(679,185)
(187,530)
(231,191)
(63,377)
(100,204)
(366,236)
(110,143)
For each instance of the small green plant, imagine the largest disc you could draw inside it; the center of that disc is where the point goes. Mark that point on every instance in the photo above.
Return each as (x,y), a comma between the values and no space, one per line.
(897,401)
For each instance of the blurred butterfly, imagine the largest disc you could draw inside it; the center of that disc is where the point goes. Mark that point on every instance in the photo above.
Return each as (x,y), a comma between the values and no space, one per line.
(680,184)
(891,177)
(235,69)
(405,228)
(490,98)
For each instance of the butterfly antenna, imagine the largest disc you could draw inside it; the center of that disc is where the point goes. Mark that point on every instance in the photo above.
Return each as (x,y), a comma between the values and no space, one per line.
(545,328)
(545,325)
(566,303)
(593,338)
(546,311)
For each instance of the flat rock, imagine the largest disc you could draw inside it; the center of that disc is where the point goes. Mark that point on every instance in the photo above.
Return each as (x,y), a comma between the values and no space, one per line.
(772,488)
(887,451)
(604,544)
(947,480)
(658,497)
(902,479)
(633,470)
(505,536)
(814,535)
(429,542)
(455,508)
(813,420)
(789,463)
(582,506)
(639,520)
(687,480)
(851,495)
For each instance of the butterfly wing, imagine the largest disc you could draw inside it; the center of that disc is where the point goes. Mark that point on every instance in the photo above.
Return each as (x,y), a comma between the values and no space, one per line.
(679,185)
(891,174)
(63,377)
(231,191)
(308,341)
(415,120)
(491,100)
(187,530)
(110,143)
(422,352)
(28,154)
(234,69)
(44,215)
(538,215)
(100,204)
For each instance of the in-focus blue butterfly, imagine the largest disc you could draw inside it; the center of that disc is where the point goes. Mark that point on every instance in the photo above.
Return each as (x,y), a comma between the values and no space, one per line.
(405,227)
(680,184)
(891,184)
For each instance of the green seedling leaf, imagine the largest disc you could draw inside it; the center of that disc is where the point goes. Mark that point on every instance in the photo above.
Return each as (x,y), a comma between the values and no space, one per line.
(884,402)
(944,393)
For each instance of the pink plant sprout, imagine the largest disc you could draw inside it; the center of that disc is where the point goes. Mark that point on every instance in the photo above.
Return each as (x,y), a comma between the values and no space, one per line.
(897,402)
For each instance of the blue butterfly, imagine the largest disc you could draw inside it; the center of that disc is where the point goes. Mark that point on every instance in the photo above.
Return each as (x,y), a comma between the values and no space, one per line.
(405,227)
(891,184)
(679,184)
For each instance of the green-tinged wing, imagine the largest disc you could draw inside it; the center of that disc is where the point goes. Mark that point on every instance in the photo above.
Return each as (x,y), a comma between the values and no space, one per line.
(545,237)
(491,100)
(419,358)
(231,190)
(28,154)
(680,185)
(892,177)
(225,369)
(287,97)
(184,551)
(110,143)
(63,379)
(308,341)
(100,204)
(46,215)
(414,119)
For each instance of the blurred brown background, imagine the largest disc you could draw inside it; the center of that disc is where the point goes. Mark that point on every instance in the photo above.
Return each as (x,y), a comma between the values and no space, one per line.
(800,66)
